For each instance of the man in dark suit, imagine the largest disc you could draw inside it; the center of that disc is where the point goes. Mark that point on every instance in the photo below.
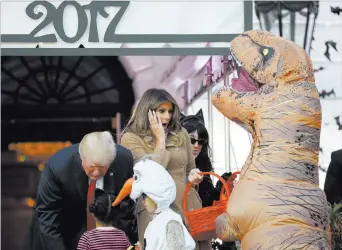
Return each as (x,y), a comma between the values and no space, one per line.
(60,215)
(333,180)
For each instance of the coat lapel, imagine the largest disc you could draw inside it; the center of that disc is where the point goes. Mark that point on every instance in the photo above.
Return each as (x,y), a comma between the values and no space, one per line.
(109,180)
(81,178)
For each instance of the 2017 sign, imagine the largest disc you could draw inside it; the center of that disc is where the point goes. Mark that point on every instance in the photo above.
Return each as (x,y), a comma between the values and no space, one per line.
(55,15)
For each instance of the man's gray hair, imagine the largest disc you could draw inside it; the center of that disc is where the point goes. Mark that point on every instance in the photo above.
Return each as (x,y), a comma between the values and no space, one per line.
(98,148)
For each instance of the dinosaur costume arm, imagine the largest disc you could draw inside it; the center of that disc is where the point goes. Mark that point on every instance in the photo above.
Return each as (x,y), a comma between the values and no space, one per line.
(225,229)
(240,108)
(225,100)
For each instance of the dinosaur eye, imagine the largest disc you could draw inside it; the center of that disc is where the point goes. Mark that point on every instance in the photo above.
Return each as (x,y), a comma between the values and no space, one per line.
(266,52)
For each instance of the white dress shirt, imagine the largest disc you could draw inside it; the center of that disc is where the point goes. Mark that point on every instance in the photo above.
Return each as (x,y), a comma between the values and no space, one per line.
(99,183)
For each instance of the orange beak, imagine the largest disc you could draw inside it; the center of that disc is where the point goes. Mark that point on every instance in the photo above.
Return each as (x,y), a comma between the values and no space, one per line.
(125,191)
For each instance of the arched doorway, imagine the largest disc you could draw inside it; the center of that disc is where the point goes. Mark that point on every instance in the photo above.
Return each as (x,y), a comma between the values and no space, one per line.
(61,98)
(51,99)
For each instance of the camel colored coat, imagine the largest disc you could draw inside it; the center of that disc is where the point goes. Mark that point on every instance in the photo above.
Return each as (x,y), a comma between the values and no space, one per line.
(178,161)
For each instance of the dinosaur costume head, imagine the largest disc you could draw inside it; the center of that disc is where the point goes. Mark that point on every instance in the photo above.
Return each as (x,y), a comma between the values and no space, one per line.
(277,201)
(275,98)
(265,59)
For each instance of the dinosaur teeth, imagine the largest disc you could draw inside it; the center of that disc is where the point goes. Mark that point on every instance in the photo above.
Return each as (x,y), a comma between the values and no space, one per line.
(255,83)
(236,60)
(237,65)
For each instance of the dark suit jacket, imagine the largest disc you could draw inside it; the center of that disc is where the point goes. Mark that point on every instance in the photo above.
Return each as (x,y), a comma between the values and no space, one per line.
(60,211)
(333,180)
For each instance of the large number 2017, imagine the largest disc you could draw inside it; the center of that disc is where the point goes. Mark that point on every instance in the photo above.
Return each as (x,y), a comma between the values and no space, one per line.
(55,15)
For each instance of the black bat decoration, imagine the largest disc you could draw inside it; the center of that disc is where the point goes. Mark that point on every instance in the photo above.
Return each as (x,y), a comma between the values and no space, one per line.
(321,149)
(335,10)
(37,46)
(325,93)
(327,50)
(319,69)
(338,123)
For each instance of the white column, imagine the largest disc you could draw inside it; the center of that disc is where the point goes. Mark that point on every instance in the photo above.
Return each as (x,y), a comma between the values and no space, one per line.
(118,127)
(210,106)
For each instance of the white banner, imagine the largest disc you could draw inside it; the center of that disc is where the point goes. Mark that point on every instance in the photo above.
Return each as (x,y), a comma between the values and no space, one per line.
(111,24)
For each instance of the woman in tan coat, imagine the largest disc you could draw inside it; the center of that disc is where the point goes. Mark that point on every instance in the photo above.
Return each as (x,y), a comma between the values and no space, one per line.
(154,129)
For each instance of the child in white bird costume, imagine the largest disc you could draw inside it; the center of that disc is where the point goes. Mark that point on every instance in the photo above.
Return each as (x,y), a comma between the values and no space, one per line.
(155,185)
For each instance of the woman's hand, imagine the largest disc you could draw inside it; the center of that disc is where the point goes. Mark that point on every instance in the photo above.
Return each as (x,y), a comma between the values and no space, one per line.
(195,177)
(156,126)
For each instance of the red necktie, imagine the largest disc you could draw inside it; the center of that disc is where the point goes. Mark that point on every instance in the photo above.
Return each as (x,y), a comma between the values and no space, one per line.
(90,199)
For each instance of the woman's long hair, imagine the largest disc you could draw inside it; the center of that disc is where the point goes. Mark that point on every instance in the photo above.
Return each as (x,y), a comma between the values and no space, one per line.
(194,123)
(151,100)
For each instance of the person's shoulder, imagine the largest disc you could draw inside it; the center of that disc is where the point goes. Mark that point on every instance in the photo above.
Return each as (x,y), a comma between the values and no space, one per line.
(123,152)
(129,139)
(183,131)
(183,134)
(118,231)
(120,235)
(337,155)
(129,135)
(85,235)
(115,232)
(122,149)
(64,156)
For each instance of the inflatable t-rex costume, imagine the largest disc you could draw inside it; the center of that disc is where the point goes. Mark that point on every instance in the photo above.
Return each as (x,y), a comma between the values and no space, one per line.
(277,203)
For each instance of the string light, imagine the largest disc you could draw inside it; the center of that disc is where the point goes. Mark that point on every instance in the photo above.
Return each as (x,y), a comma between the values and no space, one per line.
(29,202)
(21,158)
(41,166)
(37,149)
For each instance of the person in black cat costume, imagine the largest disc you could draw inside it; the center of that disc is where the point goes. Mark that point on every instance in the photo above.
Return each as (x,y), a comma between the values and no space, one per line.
(199,137)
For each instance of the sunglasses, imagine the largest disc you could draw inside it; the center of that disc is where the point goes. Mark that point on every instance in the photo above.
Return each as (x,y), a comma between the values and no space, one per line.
(200,141)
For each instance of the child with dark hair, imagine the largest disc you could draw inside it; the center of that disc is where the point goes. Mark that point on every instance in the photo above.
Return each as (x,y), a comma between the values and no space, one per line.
(104,236)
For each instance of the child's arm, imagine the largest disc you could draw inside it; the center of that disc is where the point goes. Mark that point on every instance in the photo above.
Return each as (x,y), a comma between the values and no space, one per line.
(83,243)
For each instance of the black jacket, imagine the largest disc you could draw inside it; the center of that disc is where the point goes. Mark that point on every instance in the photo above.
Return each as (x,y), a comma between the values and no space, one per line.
(207,192)
(333,179)
(59,217)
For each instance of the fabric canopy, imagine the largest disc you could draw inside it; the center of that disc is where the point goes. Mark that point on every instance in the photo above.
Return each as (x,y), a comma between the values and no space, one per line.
(171,73)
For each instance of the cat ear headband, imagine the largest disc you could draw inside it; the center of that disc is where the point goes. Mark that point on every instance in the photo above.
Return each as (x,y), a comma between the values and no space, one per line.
(198,117)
